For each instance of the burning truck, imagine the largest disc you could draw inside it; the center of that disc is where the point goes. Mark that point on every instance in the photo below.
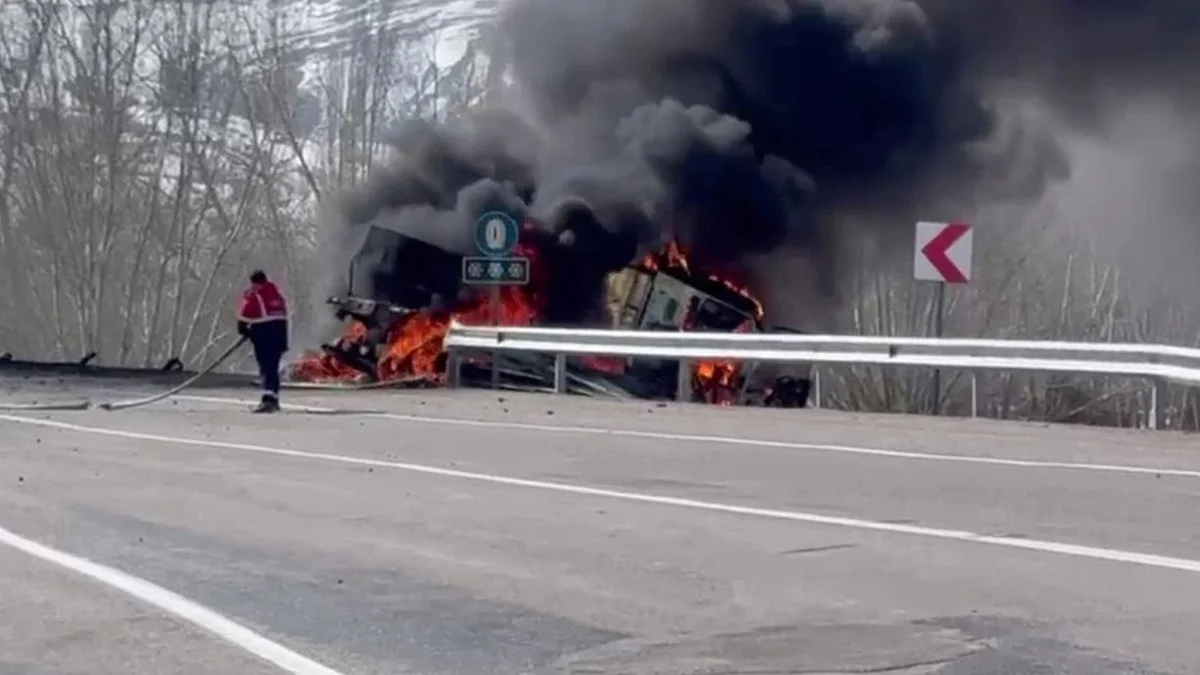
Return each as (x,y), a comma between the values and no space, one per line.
(400,295)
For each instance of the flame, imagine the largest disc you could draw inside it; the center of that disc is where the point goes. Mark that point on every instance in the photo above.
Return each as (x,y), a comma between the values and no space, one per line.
(325,368)
(605,364)
(717,381)
(671,256)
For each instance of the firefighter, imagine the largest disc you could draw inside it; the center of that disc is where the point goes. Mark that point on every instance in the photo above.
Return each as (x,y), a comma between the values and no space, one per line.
(263,319)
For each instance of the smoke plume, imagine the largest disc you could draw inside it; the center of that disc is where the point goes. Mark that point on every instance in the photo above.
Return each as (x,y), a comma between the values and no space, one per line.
(756,131)
(1119,81)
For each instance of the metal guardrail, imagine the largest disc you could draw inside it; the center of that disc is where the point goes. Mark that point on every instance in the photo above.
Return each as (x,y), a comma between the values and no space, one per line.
(1159,364)
(170,373)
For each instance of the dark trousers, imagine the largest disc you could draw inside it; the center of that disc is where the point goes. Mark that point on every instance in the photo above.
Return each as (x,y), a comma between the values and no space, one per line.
(268,360)
(270,344)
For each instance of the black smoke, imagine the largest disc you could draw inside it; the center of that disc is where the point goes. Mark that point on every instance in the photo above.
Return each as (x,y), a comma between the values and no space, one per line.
(1077,55)
(750,127)
(1120,82)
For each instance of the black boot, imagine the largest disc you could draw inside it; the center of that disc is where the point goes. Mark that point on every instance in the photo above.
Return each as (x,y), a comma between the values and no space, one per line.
(269,404)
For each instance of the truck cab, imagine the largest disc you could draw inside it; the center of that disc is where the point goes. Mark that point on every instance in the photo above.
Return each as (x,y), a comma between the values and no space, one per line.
(645,298)
(641,298)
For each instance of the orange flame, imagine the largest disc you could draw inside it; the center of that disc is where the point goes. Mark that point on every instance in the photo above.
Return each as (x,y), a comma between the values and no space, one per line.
(325,368)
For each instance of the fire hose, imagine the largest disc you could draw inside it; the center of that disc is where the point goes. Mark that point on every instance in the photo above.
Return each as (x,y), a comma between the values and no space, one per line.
(87,403)
(136,402)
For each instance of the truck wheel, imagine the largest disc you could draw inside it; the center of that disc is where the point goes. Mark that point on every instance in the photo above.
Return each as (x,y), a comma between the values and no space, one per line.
(789,392)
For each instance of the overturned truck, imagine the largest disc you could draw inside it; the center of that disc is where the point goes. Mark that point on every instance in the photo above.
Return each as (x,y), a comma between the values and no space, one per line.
(647,296)
(395,323)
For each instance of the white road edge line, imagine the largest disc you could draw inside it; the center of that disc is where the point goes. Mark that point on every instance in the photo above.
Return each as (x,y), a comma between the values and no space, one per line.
(1114,555)
(174,604)
(733,440)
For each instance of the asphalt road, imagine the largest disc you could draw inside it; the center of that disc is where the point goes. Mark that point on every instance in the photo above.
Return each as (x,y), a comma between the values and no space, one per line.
(470,532)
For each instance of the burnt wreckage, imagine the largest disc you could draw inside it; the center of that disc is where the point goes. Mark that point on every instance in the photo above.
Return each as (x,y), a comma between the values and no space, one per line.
(379,298)
(393,277)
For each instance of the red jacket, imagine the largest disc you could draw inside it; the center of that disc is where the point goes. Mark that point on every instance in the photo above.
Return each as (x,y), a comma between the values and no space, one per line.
(262,303)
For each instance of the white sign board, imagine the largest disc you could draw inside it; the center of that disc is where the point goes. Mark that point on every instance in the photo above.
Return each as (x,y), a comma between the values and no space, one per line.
(943,252)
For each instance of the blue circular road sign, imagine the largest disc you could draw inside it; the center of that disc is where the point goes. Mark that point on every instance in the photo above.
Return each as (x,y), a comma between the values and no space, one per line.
(496,234)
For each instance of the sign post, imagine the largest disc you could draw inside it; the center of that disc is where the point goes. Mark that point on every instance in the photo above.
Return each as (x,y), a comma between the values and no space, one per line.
(942,255)
(496,235)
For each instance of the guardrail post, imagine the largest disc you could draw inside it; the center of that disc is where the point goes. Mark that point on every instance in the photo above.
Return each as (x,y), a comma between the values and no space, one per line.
(1156,415)
(683,383)
(453,368)
(974,394)
(816,392)
(560,373)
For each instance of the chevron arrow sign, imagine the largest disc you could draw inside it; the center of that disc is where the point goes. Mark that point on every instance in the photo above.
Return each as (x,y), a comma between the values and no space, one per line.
(943,252)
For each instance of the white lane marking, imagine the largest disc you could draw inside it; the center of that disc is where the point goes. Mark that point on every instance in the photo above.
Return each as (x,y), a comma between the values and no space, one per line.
(174,604)
(1115,555)
(734,440)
